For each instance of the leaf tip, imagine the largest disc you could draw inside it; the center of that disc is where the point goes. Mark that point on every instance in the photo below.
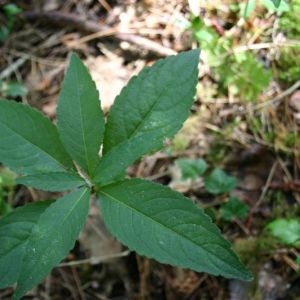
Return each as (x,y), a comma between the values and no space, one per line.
(74,56)
(194,53)
(247,276)
(243,273)
(74,59)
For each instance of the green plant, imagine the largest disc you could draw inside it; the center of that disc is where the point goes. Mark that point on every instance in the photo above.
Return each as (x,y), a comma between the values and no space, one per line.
(10,11)
(271,5)
(219,182)
(289,21)
(241,73)
(275,5)
(288,64)
(286,230)
(149,218)
(234,209)
(216,182)
(276,2)
(12,89)
(191,168)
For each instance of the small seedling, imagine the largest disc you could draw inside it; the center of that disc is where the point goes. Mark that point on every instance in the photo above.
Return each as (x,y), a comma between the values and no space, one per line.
(271,5)
(219,182)
(241,72)
(149,218)
(191,168)
(234,209)
(10,11)
(216,183)
(286,230)
(12,89)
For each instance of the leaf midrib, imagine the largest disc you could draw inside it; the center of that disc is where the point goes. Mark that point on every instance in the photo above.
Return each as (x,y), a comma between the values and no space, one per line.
(70,210)
(160,224)
(21,286)
(25,241)
(79,98)
(148,113)
(146,116)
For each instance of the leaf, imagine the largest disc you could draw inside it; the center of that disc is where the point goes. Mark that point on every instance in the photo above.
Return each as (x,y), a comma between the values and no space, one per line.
(15,230)
(162,224)
(52,238)
(286,230)
(191,168)
(149,109)
(11,9)
(12,89)
(249,8)
(80,118)
(219,182)
(52,182)
(234,208)
(276,6)
(276,3)
(204,34)
(29,141)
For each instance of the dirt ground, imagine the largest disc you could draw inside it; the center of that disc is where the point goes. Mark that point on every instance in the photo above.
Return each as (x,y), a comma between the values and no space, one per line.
(116,39)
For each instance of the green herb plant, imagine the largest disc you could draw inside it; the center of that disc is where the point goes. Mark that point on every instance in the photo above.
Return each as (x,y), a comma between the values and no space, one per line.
(240,73)
(272,6)
(11,89)
(234,209)
(217,182)
(287,231)
(10,11)
(287,63)
(149,218)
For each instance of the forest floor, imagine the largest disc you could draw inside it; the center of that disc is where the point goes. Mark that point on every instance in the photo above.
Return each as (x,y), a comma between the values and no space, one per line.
(245,121)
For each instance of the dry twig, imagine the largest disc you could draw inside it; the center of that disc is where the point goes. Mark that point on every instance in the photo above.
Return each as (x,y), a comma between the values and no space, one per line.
(71,20)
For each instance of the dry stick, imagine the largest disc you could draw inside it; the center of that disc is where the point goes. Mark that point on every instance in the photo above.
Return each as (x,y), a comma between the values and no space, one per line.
(196,287)
(48,287)
(66,283)
(105,4)
(94,260)
(284,94)
(265,188)
(13,67)
(71,20)
(146,43)
(78,283)
(293,186)
(291,263)
(95,35)
(276,99)
(44,61)
(289,177)
(242,226)
(259,46)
